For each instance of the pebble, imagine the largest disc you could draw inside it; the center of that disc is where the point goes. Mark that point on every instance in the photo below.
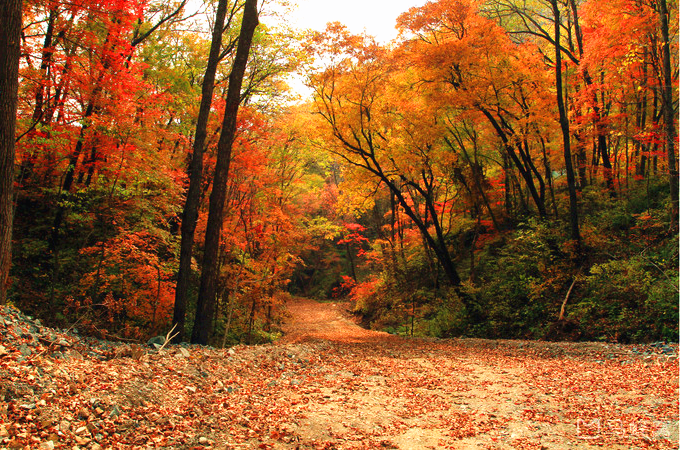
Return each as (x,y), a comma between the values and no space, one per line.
(64,426)
(24,350)
(115,411)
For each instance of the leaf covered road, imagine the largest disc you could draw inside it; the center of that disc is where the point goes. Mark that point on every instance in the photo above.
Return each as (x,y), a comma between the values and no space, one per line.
(330,384)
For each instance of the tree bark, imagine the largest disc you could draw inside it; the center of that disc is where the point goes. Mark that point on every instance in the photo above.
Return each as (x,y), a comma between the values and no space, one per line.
(193,199)
(668,116)
(10,48)
(564,125)
(205,307)
(525,172)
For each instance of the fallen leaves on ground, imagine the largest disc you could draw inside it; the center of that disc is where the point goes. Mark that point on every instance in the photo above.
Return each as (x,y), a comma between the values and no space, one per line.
(332,385)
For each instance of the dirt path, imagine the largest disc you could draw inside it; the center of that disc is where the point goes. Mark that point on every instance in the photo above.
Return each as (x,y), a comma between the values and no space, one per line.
(310,320)
(329,384)
(364,389)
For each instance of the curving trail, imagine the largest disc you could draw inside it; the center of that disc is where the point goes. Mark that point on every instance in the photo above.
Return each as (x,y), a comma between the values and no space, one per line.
(359,388)
(310,320)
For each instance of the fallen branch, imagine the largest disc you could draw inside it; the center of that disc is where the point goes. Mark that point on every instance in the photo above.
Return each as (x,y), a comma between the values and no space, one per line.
(168,337)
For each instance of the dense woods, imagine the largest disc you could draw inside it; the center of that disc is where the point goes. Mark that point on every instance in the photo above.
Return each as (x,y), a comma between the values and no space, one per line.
(503,169)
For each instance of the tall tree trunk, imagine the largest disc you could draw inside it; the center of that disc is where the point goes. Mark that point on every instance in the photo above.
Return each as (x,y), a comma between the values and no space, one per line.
(525,172)
(10,47)
(438,246)
(564,125)
(193,199)
(207,294)
(668,115)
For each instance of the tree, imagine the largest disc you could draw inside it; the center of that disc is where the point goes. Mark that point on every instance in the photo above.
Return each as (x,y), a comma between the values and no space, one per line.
(363,122)
(209,275)
(668,112)
(191,204)
(477,70)
(10,47)
(564,125)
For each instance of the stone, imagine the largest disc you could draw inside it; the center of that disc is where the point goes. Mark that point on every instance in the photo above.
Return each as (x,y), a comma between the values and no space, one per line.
(115,412)
(49,445)
(64,426)
(74,355)
(156,342)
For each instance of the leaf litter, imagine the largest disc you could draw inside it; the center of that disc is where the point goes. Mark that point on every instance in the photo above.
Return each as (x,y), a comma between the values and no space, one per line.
(329,384)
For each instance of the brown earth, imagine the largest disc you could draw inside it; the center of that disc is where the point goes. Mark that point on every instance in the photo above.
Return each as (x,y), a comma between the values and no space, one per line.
(368,389)
(329,384)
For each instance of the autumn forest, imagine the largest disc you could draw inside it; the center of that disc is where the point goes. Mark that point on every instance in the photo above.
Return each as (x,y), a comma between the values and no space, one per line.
(503,169)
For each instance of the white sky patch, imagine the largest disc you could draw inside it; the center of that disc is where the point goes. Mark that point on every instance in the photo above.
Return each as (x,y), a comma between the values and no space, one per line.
(374,17)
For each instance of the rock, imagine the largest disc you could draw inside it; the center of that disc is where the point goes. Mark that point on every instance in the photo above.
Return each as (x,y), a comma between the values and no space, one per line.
(24,350)
(156,342)
(3,350)
(184,352)
(64,426)
(83,440)
(49,445)
(115,412)
(203,440)
(74,355)
(83,413)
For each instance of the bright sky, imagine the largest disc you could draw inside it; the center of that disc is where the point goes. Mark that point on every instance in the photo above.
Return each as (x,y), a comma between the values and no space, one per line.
(375,17)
